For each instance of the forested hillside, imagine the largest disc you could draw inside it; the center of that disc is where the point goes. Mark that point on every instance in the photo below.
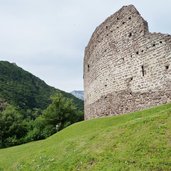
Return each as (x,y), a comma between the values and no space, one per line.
(23,89)
(30,109)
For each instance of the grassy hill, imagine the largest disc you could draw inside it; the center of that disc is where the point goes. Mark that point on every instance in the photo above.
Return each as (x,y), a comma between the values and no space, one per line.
(137,141)
(21,88)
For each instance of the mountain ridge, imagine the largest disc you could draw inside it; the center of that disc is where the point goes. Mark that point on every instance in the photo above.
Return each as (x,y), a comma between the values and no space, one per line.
(78,93)
(23,89)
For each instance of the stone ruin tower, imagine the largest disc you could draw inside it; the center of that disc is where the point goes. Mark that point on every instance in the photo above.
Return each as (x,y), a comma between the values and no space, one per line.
(126,68)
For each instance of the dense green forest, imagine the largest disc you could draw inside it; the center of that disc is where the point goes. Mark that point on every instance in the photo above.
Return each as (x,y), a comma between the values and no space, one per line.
(30,109)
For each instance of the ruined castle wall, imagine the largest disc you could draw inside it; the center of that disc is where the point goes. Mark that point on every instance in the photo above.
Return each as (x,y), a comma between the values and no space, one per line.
(126,68)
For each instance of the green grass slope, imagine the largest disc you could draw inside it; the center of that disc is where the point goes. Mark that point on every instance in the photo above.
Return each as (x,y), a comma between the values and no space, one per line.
(135,142)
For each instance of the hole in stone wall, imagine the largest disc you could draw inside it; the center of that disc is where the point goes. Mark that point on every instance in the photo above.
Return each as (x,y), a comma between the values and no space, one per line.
(142,51)
(161,42)
(137,52)
(143,71)
(129,18)
(154,44)
(117,18)
(167,67)
(130,34)
(107,35)
(111,31)
(105,85)
(129,80)
(123,22)
(106,27)
(88,66)
(122,59)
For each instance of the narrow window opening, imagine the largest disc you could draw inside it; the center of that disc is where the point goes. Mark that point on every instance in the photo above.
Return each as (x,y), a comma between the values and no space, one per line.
(88,66)
(167,67)
(130,34)
(143,71)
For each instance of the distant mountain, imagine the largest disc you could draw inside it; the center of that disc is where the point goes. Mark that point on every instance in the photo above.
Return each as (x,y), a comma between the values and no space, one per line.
(21,88)
(78,94)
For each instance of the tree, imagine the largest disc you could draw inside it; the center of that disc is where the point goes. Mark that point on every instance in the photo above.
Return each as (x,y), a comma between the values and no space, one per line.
(61,113)
(12,127)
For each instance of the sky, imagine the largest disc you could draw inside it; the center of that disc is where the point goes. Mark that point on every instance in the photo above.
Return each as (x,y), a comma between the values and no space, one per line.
(48,37)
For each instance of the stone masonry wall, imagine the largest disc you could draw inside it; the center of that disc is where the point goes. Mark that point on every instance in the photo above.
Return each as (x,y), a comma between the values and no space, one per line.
(126,68)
